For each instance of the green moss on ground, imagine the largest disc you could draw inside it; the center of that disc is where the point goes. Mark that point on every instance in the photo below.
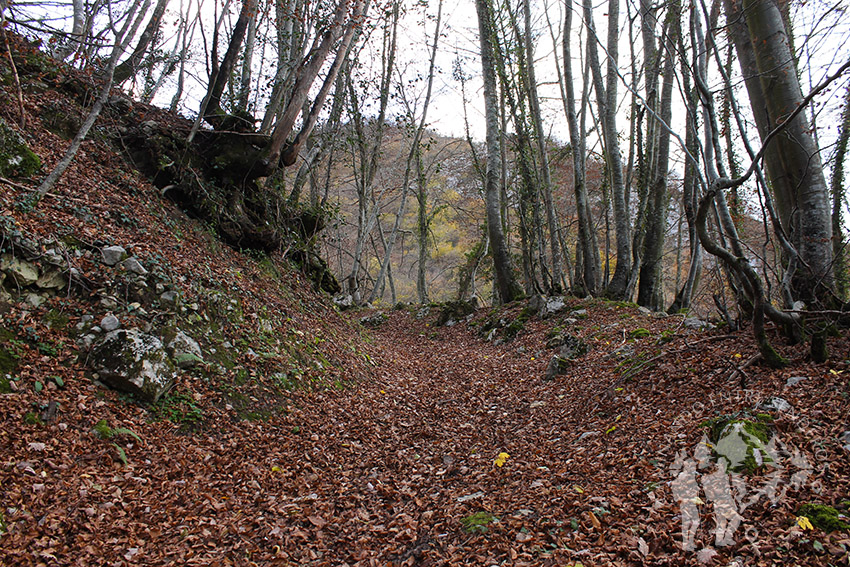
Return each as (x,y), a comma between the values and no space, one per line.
(16,158)
(823,517)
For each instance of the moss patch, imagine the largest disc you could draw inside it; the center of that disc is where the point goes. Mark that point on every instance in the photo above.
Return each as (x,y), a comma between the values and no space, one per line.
(8,362)
(478,522)
(823,517)
(16,159)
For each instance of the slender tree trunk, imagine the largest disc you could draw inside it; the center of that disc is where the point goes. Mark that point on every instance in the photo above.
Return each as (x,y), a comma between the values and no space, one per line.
(247,62)
(505,283)
(130,67)
(587,253)
(414,160)
(122,38)
(307,72)
(650,290)
(606,97)
(837,189)
(545,174)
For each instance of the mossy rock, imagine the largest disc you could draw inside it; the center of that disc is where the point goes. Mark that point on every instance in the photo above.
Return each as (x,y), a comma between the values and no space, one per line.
(16,158)
(455,311)
(8,362)
(823,517)
(742,443)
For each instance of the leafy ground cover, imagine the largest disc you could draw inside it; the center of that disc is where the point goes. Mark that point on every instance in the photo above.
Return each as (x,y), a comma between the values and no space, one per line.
(317,442)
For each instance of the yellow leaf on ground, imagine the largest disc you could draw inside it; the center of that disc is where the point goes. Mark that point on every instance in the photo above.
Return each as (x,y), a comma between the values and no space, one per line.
(501,459)
(804,523)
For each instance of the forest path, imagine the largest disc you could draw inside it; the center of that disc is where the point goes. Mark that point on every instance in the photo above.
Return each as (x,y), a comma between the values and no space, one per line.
(400,461)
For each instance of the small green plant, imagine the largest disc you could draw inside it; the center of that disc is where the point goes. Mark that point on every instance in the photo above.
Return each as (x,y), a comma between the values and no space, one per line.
(48,349)
(179,408)
(640,332)
(104,431)
(32,418)
(667,335)
(478,522)
(823,517)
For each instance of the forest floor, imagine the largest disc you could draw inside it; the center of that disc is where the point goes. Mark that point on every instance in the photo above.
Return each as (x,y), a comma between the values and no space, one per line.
(320,442)
(401,468)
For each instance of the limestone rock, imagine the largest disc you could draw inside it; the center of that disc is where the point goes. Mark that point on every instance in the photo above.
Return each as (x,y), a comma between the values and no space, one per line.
(547,306)
(375,320)
(16,158)
(52,279)
(344,301)
(35,301)
(21,272)
(134,362)
(133,266)
(775,404)
(113,254)
(110,323)
(169,298)
(185,350)
(794,380)
(694,323)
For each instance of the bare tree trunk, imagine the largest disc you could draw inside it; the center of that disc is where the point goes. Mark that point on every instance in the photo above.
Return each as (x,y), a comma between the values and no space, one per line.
(545,175)
(414,160)
(211,106)
(347,15)
(247,61)
(184,49)
(130,67)
(505,283)
(650,290)
(837,188)
(122,38)
(606,97)
(587,254)
(793,161)
(689,191)
(75,39)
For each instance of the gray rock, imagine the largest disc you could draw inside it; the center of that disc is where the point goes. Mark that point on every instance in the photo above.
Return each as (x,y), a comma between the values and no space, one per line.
(134,362)
(35,301)
(110,323)
(423,312)
(344,301)
(86,341)
(794,380)
(587,434)
(169,297)
(133,266)
(579,313)
(552,306)
(21,272)
(644,310)
(694,323)
(557,365)
(185,350)
(845,438)
(775,404)
(375,320)
(113,254)
(52,279)
(109,303)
